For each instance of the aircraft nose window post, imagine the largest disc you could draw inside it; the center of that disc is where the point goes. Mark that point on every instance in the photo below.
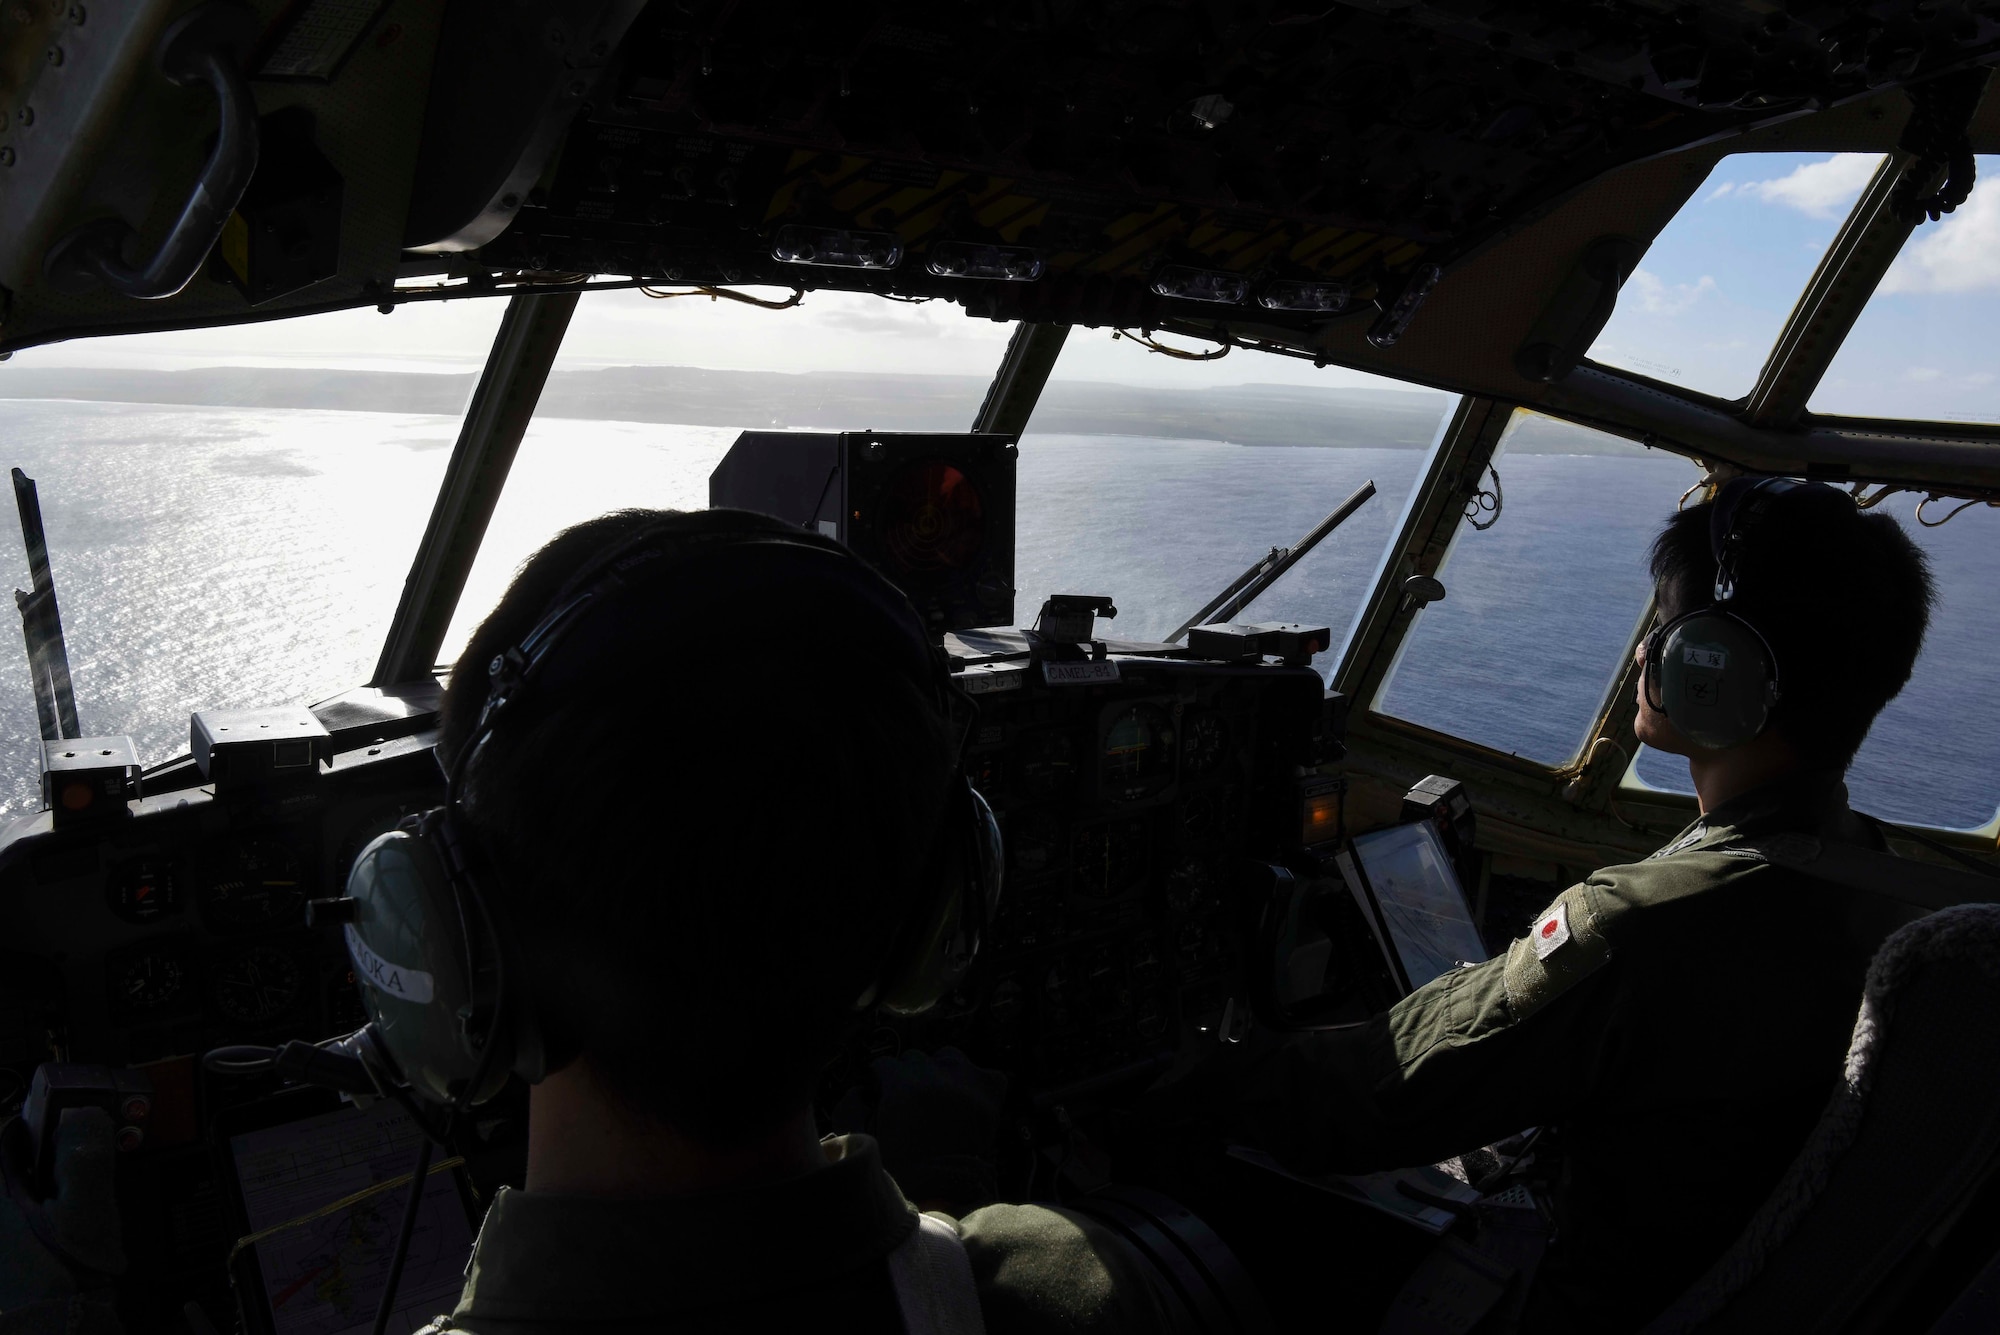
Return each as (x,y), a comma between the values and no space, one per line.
(721,666)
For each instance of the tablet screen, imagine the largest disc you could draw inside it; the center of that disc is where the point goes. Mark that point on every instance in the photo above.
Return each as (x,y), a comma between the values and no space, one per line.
(325,1276)
(1421,902)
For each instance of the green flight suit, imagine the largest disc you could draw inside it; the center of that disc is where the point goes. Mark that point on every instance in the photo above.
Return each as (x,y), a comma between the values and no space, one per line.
(1680,1029)
(803,1254)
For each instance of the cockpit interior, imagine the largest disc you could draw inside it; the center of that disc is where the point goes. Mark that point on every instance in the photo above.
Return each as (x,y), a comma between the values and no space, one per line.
(1266,405)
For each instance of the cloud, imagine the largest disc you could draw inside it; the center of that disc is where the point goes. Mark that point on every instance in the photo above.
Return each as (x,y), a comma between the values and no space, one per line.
(1958,253)
(1825,189)
(1923,373)
(1656,297)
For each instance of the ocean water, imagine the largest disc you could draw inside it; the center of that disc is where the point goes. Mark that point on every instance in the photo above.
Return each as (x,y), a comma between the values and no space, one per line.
(221,557)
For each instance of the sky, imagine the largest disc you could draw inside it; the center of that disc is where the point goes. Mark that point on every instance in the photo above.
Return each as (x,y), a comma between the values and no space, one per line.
(1710,296)
(1702,310)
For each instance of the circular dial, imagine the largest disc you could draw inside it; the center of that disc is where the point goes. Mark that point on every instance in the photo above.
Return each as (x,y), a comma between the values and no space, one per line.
(1137,759)
(253,885)
(143,891)
(256,985)
(149,980)
(1208,815)
(1204,739)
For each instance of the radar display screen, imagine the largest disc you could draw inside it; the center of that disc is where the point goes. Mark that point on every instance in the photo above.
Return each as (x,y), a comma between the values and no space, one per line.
(933,520)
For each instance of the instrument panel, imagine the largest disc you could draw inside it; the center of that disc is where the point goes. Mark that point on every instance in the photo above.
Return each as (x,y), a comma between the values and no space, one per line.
(182,926)
(1132,808)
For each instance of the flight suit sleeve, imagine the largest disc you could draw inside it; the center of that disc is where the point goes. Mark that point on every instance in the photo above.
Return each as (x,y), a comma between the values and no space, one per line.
(1044,1269)
(1479,1053)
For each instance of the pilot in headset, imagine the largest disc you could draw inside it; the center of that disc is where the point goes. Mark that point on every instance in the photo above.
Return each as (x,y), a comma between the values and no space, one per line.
(704,812)
(1677,1023)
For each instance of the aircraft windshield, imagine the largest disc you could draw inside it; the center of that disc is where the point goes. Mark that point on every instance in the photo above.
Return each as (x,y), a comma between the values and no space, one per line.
(1150,480)
(647,395)
(1708,300)
(1923,347)
(230,513)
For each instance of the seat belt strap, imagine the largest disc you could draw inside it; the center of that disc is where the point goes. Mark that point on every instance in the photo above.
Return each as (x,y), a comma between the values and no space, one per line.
(1919,884)
(933,1279)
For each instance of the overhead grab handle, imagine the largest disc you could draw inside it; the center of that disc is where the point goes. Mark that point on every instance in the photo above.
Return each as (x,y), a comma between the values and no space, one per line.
(1580,310)
(205,46)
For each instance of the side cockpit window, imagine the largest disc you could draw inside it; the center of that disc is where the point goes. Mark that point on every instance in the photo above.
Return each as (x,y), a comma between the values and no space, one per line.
(230,512)
(1543,586)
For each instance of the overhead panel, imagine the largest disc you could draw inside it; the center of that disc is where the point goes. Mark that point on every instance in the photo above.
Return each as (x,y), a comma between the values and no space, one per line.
(1273,165)
(1148,161)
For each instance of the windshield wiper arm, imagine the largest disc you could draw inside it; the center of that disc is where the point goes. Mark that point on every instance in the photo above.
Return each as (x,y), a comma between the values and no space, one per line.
(41,622)
(1265,570)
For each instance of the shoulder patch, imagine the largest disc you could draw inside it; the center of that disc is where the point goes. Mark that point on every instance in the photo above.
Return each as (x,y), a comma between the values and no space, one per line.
(1563,947)
(1551,931)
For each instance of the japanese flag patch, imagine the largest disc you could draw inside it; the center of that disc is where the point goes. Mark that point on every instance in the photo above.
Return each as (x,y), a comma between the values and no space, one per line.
(1551,930)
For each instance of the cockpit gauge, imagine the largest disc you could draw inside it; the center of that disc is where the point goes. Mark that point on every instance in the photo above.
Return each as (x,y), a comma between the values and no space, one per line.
(143,891)
(1034,843)
(1208,816)
(1137,758)
(1204,740)
(1047,764)
(254,884)
(1110,858)
(256,985)
(149,979)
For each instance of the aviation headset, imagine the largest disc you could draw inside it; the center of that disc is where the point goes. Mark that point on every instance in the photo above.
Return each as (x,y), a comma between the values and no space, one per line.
(1710,671)
(441,972)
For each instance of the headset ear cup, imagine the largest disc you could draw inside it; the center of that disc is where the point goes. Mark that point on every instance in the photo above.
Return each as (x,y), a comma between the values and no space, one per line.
(1717,678)
(408,946)
(408,953)
(944,937)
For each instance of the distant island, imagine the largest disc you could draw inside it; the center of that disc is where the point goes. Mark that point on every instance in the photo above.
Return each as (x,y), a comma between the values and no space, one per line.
(1269,415)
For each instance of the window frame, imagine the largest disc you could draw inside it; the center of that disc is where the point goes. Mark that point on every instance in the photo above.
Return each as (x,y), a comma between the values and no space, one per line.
(1458,463)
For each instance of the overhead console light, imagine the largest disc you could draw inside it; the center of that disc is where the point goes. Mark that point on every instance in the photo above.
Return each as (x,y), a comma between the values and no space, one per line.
(964,259)
(1211,285)
(837,247)
(1390,325)
(1288,295)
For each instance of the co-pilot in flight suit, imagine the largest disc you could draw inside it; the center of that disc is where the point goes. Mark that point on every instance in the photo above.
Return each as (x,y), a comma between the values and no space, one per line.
(1680,1022)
